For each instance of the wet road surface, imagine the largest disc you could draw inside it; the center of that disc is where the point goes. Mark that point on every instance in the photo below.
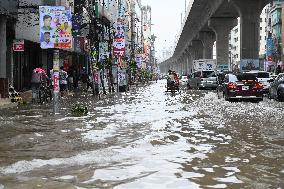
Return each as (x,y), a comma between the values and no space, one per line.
(144,139)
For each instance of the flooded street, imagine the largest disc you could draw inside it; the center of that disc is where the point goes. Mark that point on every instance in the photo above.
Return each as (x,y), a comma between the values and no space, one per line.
(144,139)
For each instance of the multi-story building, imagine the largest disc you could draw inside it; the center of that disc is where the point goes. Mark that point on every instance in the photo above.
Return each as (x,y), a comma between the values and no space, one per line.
(276,30)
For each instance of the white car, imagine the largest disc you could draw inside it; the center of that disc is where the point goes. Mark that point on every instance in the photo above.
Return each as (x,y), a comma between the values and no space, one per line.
(184,80)
(264,78)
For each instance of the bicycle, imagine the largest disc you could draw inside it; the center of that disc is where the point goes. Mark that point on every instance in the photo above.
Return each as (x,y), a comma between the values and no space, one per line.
(45,93)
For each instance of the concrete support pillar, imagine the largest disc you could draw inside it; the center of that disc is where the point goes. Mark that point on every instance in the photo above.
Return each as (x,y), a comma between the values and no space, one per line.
(208,39)
(249,12)
(197,49)
(190,58)
(222,28)
(3,47)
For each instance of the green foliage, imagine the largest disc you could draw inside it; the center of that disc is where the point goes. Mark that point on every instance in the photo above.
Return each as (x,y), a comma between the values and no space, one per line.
(132,65)
(79,110)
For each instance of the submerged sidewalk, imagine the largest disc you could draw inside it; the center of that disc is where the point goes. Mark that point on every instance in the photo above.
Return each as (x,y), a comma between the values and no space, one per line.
(6,103)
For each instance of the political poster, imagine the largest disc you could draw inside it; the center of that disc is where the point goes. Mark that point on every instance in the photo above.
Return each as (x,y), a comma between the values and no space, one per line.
(249,64)
(139,60)
(55,27)
(103,51)
(119,39)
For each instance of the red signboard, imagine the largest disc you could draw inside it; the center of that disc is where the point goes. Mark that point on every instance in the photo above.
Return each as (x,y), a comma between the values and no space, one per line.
(119,47)
(18,45)
(269,58)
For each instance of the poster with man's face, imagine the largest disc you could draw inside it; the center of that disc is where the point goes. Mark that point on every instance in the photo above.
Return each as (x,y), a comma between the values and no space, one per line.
(55,27)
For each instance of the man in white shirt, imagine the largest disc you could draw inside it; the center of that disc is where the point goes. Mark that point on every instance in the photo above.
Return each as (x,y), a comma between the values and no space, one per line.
(46,43)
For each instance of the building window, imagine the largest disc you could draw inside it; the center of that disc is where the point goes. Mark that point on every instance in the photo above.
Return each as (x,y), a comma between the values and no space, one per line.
(260,37)
(260,19)
(260,28)
(236,39)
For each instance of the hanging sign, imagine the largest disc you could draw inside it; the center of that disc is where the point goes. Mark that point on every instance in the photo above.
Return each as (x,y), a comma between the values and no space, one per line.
(19,45)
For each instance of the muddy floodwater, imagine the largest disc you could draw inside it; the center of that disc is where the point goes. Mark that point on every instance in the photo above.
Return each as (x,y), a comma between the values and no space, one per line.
(144,139)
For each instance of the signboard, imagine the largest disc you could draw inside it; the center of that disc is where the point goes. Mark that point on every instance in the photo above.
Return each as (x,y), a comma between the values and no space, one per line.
(55,27)
(249,64)
(19,45)
(204,65)
(119,47)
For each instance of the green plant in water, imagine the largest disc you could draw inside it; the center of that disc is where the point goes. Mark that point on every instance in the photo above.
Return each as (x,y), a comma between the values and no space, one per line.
(79,110)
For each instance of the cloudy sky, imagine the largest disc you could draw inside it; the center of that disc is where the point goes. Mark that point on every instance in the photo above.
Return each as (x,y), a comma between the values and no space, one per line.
(166,17)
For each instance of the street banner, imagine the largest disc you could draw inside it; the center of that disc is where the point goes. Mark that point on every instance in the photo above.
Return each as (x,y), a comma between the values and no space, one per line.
(119,47)
(55,27)
(249,64)
(56,88)
(77,21)
(87,46)
(79,44)
(269,49)
(122,77)
(119,39)
(103,51)
(139,60)
(18,45)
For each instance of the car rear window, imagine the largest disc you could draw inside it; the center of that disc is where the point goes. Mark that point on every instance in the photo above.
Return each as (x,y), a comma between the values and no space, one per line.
(206,74)
(262,75)
(242,77)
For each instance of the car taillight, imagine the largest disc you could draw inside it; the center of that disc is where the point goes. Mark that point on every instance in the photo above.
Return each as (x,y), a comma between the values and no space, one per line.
(258,86)
(232,85)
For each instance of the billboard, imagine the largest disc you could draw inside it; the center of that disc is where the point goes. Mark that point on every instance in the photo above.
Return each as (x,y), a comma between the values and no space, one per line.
(55,27)
(249,64)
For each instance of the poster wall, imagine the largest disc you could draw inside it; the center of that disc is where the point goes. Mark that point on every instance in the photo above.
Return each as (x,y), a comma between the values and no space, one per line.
(55,27)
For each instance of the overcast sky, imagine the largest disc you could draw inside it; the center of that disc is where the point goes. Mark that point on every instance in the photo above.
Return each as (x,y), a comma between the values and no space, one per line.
(166,17)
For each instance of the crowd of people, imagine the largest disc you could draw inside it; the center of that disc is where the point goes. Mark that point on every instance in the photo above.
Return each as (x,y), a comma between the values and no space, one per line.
(68,80)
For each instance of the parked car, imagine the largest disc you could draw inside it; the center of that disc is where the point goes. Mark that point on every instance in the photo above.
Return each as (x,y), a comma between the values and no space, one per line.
(276,89)
(243,86)
(203,80)
(264,78)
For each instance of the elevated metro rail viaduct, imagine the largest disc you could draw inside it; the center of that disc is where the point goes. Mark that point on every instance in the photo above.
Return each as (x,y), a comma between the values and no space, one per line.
(210,21)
